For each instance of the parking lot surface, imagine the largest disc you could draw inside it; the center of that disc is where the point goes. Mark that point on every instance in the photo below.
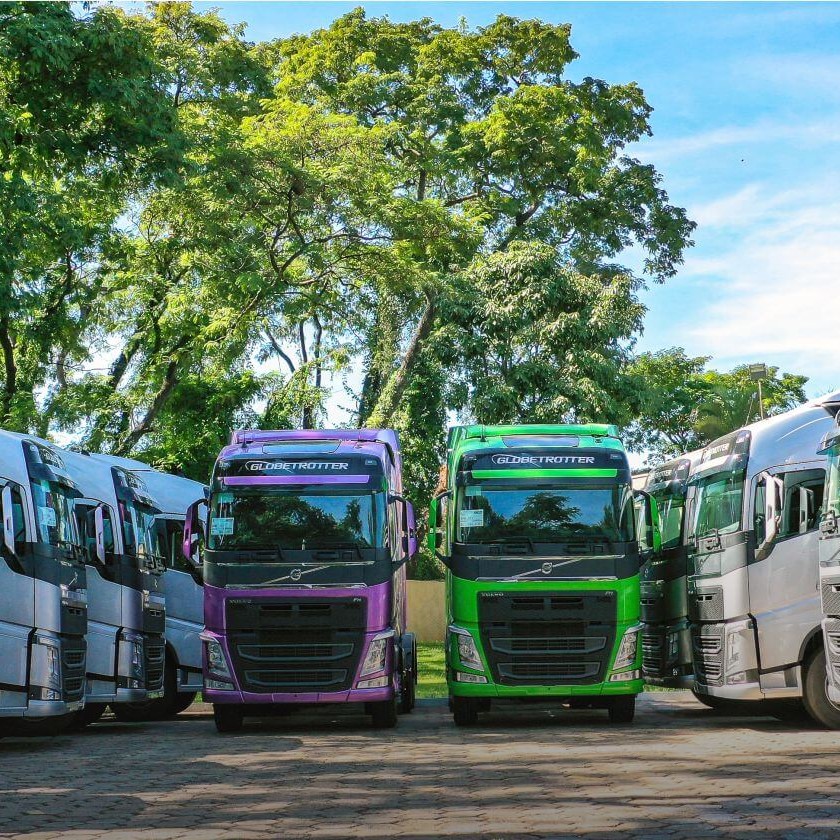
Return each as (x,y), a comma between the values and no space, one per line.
(680,771)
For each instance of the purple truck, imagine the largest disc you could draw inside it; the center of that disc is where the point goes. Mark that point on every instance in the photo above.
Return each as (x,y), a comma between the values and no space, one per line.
(305,548)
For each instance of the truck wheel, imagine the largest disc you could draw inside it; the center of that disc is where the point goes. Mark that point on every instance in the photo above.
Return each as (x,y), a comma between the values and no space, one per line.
(228,718)
(815,692)
(622,709)
(407,693)
(465,711)
(88,715)
(384,714)
(184,700)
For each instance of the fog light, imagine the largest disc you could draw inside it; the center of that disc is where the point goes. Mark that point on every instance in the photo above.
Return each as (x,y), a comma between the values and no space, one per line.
(624,676)
(460,676)
(376,682)
(218,685)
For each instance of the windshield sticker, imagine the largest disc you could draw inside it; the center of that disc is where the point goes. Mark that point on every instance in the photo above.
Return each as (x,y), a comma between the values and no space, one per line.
(221,526)
(471,519)
(47,515)
(473,490)
(225,498)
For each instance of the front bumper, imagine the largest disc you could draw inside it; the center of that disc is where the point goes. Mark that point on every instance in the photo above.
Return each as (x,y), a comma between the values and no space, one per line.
(458,689)
(351,695)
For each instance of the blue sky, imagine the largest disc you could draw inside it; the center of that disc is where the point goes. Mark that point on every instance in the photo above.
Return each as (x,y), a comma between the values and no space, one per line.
(746,129)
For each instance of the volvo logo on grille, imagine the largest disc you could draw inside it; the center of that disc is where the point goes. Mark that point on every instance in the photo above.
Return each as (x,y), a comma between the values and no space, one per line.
(547,567)
(295,575)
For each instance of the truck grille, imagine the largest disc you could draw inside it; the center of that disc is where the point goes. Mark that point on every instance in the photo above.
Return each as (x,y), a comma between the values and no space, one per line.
(707,643)
(831,596)
(155,653)
(296,645)
(73,668)
(553,638)
(653,653)
(832,630)
(706,604)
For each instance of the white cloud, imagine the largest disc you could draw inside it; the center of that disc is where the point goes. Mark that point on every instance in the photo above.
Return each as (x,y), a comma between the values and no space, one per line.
(773,281)
(761,132)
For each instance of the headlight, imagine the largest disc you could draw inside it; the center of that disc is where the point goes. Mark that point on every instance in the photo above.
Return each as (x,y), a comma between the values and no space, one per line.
(216,661)
(627,649)
(739,647)
(673,645)
(137,658)
(467,651)
(377,653)
(51,654)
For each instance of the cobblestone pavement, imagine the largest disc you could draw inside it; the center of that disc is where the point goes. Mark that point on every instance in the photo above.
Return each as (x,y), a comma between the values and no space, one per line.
(681,771)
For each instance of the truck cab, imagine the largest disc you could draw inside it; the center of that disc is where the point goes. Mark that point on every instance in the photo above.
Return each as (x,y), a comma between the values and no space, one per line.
(183,589)
(125,647)
(666,638)
(829,552)
(43,609)
(537,528)
(305,556)
(753,587)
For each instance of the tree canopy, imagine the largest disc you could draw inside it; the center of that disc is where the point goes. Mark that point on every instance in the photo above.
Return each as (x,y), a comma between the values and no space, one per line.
(375,223)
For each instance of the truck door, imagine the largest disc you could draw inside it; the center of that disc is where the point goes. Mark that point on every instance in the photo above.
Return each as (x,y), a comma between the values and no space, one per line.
(784,585)
(184,598)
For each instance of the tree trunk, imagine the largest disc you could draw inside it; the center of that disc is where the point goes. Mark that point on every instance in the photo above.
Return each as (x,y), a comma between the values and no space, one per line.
(10,368)
(392,394)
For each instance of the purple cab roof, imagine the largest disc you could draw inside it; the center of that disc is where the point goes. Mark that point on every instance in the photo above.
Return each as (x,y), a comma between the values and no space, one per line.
(243,441)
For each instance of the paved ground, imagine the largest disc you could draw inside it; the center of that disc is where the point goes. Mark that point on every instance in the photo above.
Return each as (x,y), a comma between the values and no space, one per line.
(679,772)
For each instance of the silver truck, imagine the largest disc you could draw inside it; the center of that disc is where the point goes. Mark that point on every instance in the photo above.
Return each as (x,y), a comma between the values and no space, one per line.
(830,560)
(666,639)
(43,599)
(183,587)
(753,587)
(126,606)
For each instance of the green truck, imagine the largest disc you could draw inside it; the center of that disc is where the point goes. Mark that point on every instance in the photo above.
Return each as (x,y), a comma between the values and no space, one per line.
(542,537)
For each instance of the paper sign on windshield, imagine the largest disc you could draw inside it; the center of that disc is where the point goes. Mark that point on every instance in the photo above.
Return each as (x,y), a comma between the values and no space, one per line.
(47,516)
(471,519)
(221,526)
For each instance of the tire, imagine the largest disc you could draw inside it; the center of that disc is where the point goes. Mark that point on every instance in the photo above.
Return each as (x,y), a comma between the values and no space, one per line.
(464,711)
(815,692)
(227,717)
(622,709)
(383,714)
(88,715)
(408,681)
(158,709)
(183,701)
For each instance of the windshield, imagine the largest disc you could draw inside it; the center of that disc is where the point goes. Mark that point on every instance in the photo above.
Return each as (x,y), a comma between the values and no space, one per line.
(671,510)
(832,484)
(549,515)
(140,534)
(270,519)
(54,514)
(717,504)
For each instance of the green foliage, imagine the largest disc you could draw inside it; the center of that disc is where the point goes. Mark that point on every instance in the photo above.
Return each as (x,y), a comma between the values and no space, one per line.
(437,216)
(684,406)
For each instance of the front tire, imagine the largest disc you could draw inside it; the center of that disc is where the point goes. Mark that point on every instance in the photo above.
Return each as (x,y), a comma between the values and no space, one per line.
(383,714)
(464,711)
(815,692)
(88,715)
(622,709)
(227,717)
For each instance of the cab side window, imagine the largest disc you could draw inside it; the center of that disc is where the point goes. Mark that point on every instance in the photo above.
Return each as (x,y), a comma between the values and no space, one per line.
(802,503)
(760,514)
(171,543)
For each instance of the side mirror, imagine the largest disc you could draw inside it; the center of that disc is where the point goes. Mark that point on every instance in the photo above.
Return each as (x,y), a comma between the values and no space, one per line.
(437,526)
(410,529)
(8,521)
(192,532)
(649,520)
(828,523)
(99,531)
(773,490)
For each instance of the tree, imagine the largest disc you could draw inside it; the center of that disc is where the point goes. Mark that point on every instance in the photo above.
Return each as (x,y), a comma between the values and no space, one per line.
(83,118)
(684,406)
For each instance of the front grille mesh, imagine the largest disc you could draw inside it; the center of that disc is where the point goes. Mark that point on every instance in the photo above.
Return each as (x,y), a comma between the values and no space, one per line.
(296,645)
(831,596)
(547,638)
(707,644)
